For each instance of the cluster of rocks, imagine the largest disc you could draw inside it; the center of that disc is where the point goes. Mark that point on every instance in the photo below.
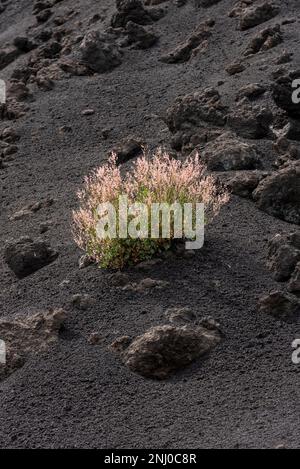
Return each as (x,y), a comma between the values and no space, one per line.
(198,122)
(201,122)
(200,117)
(57,52)
(44,47)
(265,40)
(163,350)
(27,336)
(130,21)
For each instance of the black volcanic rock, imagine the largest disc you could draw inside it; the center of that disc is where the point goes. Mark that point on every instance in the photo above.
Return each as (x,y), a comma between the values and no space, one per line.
(183,52)
(279,194)
(28,336)
(265,40)
(196,118)
(99,52)
(250,121)
(280,305)
(163,350)
(257,14)
(282,92)
(26,256)
(138,37)
(283,255)
(130,10)
(8,55)
(228,153)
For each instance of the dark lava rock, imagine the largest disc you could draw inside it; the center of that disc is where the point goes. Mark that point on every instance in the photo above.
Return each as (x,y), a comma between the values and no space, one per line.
(50,51)
(196,107)
(131,10)
(44,36)
(283,255)
(293,129)
(183,52)
(257,14)
(26,256)
(287,151)
(18,90)
(82,301)
(31,208)
(235,68)
(250,121)
(279,194)
(9,135)
(228,153)
(43,15)
(244,183)
(251,91)
(22,73)
(99,52)
(196,118)
(265,40)
(139,37)
(26,336)
(282,92)
(41,5)
(180,315)
(127,149)
(284,58)
(24,44)
(74,67)
(8,55)
(12,109)
(280,305)
(163,350)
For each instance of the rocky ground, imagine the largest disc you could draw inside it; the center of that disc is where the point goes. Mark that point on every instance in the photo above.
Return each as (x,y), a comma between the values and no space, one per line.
(192,350)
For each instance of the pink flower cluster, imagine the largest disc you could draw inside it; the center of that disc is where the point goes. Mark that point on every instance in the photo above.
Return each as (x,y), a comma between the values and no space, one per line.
(154,179)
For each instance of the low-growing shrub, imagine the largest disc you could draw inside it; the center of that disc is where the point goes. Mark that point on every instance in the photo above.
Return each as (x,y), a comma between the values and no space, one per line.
(152,180)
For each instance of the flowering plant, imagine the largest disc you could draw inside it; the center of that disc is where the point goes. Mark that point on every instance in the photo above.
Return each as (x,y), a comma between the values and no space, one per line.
(152,181)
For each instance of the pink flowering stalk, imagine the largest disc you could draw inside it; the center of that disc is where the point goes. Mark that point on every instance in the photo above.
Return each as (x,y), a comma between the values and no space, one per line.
(160,179)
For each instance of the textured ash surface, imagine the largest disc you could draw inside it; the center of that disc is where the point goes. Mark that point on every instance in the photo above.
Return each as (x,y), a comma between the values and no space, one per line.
(245,394)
